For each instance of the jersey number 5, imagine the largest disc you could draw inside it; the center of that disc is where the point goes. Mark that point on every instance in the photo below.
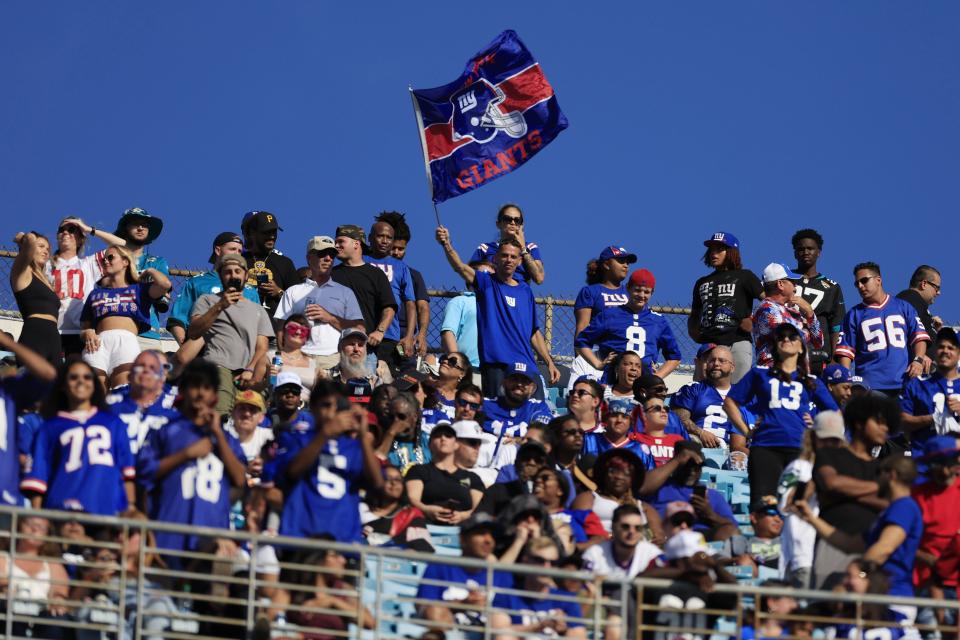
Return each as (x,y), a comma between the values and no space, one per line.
(877,339)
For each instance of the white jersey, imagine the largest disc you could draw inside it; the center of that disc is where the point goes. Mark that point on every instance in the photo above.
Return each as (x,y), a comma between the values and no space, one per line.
(73,280)
(599,560)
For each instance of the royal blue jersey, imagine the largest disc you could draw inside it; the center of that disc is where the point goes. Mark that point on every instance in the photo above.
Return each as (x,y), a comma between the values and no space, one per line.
(80,463)
(597,297)
(141,421)
(513,422)
(618,329)
(904,513)
(506,320)
(671,492)
(879,337)
(780,406)
(28,425)
(531,609)
(448,583)
(16,394)
(195,493)
(597,443)
(326,499)
(924,396)
(705,405)
(488,250)
(132,301)
(290,438)
(401,282)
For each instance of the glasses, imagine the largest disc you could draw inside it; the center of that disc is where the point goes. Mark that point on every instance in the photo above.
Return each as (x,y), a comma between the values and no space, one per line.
(451,361)
(394,479)
(73,377)
(678,519)
(863,281)
(535,559)
(624,526)
(292,391)
(660,408)
(935,286)
(466,403)
(790,337)
(68,228)
(110,257)
(581,392)
(512,220)
(297,330)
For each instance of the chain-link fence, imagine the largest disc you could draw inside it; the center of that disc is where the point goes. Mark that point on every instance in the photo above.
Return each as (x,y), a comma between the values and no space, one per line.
(555,314)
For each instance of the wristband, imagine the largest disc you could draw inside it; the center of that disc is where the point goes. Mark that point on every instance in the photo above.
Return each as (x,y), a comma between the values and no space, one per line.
(93,231)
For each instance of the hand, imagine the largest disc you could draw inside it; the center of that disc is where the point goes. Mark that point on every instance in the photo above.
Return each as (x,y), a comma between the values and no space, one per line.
(407,344)
(804,510)
(316,313)
(518,236)
(91,341)
(804,306)
(229,297)
(686,456)
(915,369)
(80,223)
(255,467)
(244,379)
(443,236)
(435,512)
(953,403)
(610,358)
(709,440)
(421,345)
(375,338)
(457,517)
(475,598)
(937,322)
(20,237)
(554,372)
(808,420)
(199,449)
(270,289)
(702,506)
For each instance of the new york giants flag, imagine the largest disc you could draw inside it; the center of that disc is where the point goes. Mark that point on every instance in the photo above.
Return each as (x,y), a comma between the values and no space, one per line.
(498,114)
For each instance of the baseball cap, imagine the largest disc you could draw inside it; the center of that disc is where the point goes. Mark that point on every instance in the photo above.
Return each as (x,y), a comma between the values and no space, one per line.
(829,424)
(643,278)
(766,505)
(723,238)
(531,449)
(409,379)
(468,430)
(479,520)
(248,396)
(679,506)
(705,349)
(858,381)
(777,271)
(359,390)
(442,429)
(686,544)
(520,369)
(940,448)
(287,377)
(353,331)
(154,224)
(947,333)
(321,244)
(223,238)
(835,374)
(231,258)
(261,221)
(352,231)
(617,252)
(620,405)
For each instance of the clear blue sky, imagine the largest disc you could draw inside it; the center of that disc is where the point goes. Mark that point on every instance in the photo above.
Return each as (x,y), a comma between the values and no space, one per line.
(753,117)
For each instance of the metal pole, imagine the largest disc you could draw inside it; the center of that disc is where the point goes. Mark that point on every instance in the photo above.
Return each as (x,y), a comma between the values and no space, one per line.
(548,323)
(141,559)
(122,614)
(14,525)
(423,150)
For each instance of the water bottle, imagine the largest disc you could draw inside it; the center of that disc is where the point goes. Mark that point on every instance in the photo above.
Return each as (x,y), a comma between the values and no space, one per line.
(278,363)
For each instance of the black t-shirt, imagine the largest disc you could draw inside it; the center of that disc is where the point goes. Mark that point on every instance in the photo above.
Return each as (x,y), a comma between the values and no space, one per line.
(690,598)
(419,293)
(844,512)
(371,287)
(826,298)
(276,268)
(446,489)
(923,309)
(721,300)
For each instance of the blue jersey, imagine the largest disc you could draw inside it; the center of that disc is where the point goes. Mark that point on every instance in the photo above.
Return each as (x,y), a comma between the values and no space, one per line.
(401,282)
(780,406)
(447,583)
(147,261)
(201,285)
(904,513)
(513,422)
(705,405)
(326,499)
(619,329)
(16,394)
(132,301)
(80,463)
(487,250)
(28,425)
(292,436)
(878,338)
(141,421)
(531,609)
(195,493)
(924,396)
(506,320)
(672,493)
(597,297)
(597,443)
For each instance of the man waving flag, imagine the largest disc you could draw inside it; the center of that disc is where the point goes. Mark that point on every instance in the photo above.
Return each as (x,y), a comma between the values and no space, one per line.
(498,114)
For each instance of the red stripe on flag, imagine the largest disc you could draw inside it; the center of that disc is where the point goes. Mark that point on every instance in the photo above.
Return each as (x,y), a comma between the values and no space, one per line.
(525,90)
(440,142)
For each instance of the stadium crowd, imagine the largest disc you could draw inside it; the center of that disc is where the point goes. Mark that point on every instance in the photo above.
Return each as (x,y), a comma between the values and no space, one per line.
(309,403)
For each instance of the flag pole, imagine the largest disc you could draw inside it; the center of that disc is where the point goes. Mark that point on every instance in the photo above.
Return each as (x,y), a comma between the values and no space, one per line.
(423,149)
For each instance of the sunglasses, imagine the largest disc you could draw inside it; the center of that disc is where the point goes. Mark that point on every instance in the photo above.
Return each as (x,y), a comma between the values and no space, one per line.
(936,287)
(73,377)
(680,518)
(581,392)
(512,220)
(68,228)
(659,408)
(289,390)
(466,403)
(863,281)
(110,257)
(623,526)
(451,361)
(532,558)
(790,337)
(297,330)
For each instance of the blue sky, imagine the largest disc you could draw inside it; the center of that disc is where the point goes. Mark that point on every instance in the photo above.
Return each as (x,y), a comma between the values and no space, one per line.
(758,118)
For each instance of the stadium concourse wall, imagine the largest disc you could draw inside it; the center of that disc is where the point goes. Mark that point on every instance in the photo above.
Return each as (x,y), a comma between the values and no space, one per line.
(554,313)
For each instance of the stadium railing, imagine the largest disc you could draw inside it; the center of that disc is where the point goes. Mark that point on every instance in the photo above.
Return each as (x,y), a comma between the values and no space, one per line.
(224,590)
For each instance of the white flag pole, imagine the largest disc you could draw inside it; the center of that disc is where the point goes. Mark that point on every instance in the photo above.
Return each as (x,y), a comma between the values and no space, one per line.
(423,149)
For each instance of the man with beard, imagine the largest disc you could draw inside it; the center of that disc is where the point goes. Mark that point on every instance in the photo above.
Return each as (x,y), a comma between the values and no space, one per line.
(330,307)
(714,515)
(507,415)
(353,358)
(138,228)
(394,346)
(401,242)
(268,269)
(146,404)
(930,404)
(404,443)
(699,405)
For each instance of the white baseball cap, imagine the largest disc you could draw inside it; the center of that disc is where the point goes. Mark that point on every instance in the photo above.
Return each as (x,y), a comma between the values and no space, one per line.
(287,377)
(468,430)
(685,544)
(777,271)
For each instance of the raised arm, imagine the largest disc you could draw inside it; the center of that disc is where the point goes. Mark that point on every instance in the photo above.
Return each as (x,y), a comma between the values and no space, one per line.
(464,270)
(106,236)
(35,364)
(20,274)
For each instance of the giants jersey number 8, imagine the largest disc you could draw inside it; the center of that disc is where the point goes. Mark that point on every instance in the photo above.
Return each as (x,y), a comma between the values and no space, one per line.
(203,479)
(878,334)
(636,340)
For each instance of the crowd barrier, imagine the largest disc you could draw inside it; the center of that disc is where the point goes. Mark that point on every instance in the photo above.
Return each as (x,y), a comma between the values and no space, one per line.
(232,588)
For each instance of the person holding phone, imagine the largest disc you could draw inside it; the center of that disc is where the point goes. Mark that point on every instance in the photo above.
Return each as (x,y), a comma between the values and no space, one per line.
(444,492)
(236,332)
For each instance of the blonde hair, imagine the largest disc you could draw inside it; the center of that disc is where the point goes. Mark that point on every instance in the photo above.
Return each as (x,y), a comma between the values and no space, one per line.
(132,274)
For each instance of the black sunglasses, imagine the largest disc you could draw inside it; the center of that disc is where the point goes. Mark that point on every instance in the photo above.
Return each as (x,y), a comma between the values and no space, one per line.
(466,403)
(509,219)
(69,228)
(451,361)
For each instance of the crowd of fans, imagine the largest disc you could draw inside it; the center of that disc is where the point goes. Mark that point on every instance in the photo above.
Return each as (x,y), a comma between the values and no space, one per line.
(309,403)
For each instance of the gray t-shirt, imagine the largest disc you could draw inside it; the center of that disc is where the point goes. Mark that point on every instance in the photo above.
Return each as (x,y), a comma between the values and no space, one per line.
(232,339)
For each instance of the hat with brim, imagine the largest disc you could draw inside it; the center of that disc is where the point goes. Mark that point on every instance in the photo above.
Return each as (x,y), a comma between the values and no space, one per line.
(940,449)
(154,224)
(442,429)
(222,239)
(479,520)
(686,544)
(252,398)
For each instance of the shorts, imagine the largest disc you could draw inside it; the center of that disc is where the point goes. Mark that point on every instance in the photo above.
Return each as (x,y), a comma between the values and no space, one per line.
(117,347)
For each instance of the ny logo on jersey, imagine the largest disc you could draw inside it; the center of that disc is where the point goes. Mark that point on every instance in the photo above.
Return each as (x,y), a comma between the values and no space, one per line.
(614,299)
(726,289)
(387,269)
(510,300)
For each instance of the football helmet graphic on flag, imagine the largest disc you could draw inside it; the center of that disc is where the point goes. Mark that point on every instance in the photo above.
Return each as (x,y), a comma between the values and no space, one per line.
(477,114)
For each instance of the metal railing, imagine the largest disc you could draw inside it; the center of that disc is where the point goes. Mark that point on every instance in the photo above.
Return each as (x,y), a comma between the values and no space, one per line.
(121,587)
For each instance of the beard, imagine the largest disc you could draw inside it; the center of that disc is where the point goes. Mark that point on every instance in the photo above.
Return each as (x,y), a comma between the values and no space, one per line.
(352,368)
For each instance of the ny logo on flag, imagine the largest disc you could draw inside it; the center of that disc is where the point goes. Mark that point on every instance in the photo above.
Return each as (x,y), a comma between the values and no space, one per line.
(489,119)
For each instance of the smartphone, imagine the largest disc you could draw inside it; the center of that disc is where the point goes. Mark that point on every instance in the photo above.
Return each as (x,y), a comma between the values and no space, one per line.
(263,278)
(799,492)
(451,504)
(700,490)
(234,284)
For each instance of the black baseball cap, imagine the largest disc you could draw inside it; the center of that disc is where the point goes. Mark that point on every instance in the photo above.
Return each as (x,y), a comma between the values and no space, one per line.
(262,221)
(223,238)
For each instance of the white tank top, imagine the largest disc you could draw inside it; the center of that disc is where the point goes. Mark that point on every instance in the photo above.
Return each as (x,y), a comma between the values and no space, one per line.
(27,587)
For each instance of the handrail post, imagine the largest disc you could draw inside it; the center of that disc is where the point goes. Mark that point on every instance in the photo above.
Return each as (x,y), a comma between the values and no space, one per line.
(252,584)
(121,614)
(141,558)
(14,526)
(548,323)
